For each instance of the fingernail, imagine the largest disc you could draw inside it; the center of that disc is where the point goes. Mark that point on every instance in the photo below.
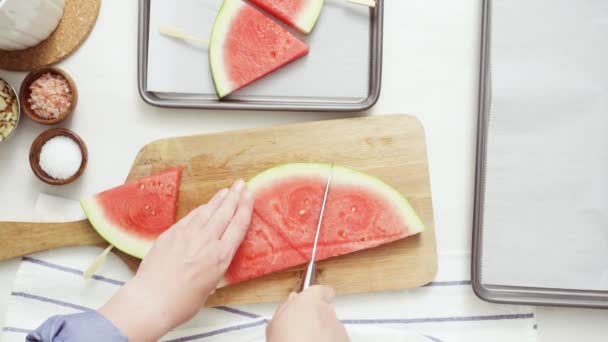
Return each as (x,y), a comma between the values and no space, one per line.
(248,194)
(223,193)
(238,185)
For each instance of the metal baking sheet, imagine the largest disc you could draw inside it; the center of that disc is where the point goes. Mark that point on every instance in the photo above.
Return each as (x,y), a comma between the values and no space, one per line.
(341,73)
(563,291)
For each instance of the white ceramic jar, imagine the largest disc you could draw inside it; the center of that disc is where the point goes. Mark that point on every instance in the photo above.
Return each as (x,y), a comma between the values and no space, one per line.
(25,23)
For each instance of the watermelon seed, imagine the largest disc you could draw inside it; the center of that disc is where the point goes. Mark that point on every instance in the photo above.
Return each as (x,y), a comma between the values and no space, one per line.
(342,233)
(302,212)
(353,209)
(141,187)
(147,207)
(153,213)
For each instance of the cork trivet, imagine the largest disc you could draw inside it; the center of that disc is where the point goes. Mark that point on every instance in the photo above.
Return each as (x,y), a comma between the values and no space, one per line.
(79,17)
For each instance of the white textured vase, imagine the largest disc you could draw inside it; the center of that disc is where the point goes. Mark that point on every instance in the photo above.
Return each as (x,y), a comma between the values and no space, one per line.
(25,23)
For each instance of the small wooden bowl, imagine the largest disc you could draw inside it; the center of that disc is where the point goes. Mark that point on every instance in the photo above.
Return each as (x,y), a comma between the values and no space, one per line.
(25,92)
(35,155)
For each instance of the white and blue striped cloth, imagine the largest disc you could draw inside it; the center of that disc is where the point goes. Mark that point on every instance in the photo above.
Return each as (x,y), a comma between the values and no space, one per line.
(51,283)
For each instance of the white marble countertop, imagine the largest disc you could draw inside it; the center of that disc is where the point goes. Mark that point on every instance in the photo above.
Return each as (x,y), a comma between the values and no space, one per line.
(431,58)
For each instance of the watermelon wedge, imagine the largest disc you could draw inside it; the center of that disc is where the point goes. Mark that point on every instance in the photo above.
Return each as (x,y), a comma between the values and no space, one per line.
(299,14)
(361,212)
(133,215)
(245,46)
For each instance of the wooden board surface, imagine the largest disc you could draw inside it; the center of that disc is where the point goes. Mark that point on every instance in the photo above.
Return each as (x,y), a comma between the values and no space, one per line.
(389,147)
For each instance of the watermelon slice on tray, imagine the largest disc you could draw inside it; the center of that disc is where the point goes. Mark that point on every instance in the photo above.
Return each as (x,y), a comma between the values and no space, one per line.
(361,212)
(246,45)
(133,215)
(299,14)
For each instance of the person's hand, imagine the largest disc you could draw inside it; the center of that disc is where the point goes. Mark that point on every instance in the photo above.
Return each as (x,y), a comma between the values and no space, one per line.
(183,268)
(305,317)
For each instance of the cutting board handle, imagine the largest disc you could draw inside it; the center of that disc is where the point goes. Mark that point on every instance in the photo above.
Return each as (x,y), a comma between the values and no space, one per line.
(23,238)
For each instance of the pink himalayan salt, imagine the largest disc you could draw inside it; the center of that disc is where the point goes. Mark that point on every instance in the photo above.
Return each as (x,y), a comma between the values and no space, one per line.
(50,96)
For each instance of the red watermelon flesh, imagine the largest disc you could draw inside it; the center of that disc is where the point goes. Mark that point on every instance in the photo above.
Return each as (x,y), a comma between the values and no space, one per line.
(361,212)
(133,215)
(300,14)
(246,45)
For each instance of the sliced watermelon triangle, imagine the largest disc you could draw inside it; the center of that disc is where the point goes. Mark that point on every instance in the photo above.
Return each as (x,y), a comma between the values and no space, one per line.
(361,212)
(246,45)
(133,215)
(299,14)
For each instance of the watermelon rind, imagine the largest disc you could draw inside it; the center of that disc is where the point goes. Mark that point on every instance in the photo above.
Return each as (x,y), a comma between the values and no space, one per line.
(221,26)
(341,175)
(309,16)
(122,240)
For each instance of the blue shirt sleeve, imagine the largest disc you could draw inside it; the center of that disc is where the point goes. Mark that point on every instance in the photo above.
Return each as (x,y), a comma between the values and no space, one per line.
(89,326)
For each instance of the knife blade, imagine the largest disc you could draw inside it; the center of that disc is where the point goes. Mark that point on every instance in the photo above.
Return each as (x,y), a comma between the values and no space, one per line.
(309,277)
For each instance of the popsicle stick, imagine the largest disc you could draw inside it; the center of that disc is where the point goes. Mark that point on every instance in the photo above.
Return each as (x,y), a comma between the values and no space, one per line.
(174,32)
(368,3)
(96,265)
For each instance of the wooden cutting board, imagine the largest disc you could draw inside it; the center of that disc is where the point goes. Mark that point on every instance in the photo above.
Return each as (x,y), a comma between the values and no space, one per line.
(389,147)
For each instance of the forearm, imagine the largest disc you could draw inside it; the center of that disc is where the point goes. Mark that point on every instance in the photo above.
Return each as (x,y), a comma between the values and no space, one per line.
(137,314)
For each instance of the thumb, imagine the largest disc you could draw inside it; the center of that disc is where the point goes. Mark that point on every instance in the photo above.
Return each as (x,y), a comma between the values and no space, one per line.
(284,304)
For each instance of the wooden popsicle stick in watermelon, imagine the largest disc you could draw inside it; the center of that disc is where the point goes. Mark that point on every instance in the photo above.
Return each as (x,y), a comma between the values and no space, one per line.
(300,14)
(368,3)
(174,32)
(97,263)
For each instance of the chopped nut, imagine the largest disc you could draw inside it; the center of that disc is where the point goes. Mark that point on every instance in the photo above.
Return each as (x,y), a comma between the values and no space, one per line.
(9,110)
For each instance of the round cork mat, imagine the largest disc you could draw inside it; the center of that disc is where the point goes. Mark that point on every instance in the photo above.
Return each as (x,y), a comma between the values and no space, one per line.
(79,17)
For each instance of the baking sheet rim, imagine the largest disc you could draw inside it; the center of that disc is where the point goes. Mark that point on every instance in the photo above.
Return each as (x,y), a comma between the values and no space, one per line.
(498,293)
(321,106)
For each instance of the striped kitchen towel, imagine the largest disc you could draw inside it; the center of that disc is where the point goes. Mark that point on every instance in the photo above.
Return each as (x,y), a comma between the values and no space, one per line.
(51,283)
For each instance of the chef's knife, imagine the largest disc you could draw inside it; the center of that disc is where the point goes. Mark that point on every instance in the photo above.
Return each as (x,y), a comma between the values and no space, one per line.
(309,278)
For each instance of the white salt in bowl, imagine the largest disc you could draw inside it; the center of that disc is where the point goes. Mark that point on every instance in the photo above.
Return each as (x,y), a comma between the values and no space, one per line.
(36,149)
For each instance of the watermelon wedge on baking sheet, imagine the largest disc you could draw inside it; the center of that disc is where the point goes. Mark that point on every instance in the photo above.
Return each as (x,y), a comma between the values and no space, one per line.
(246,45)
(361,212)
(299,14)
(133,215)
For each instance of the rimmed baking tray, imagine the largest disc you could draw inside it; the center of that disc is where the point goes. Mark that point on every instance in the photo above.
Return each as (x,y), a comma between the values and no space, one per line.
(342,72)
(499,293)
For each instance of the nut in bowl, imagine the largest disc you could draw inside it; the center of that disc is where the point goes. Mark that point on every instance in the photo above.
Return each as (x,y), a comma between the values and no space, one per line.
(58,156)
(10,110)
(48,95)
